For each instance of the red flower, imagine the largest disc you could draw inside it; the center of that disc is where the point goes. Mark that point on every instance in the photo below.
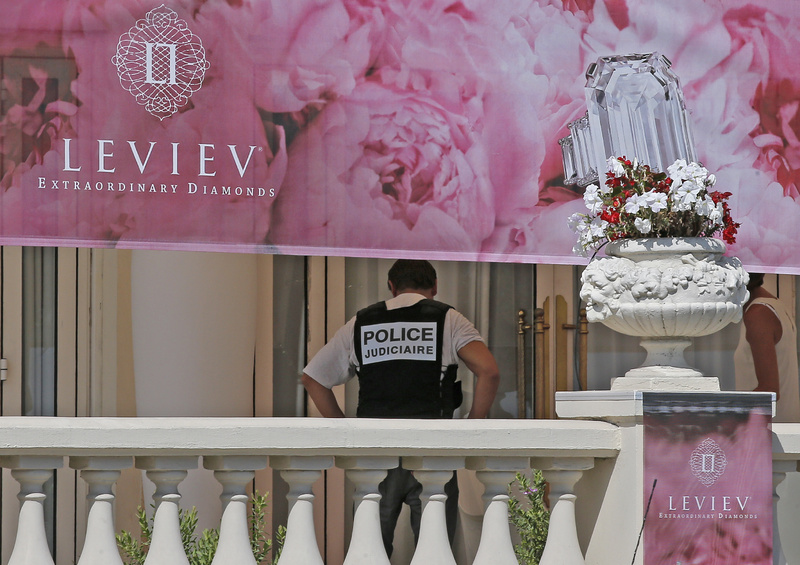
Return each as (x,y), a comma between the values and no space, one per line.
(729,234)
(718,197)
(610,217)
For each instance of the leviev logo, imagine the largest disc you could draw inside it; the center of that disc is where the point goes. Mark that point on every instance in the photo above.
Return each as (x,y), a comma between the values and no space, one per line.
(161,62)
(708,462)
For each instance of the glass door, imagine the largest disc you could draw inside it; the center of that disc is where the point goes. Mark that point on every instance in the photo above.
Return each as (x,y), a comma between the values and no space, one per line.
(44,349)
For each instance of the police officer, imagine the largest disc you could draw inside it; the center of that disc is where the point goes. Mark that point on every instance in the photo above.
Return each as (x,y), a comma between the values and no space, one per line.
(405,352)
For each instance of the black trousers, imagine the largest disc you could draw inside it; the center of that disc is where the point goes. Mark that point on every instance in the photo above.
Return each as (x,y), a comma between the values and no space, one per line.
(400,487)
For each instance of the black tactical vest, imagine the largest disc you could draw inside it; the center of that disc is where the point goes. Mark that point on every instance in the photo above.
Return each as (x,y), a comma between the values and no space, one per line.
(399,355)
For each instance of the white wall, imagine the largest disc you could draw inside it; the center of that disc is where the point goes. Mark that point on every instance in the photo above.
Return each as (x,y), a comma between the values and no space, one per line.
(194,320)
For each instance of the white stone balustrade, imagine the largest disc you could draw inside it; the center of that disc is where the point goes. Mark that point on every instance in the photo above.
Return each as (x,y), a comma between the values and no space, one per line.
(366,473)
(166,545)
(100,473)
(300,448)
(779,470)
(300,547)
(562,547)
(234,473)
(433,473)
(580,458)
(568,452)
(496,473)
(785,459)
(31,472)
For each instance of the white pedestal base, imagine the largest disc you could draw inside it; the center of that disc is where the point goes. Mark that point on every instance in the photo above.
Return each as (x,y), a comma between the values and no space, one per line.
(665,379)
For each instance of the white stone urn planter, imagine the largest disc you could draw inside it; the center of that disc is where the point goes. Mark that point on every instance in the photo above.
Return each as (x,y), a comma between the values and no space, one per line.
(665,290)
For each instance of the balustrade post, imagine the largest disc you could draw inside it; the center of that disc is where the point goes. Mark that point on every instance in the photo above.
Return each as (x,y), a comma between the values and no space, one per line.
(496,473)
(166,546)
(779,470)
(31,472)
(100,473)
(234,473)
(433,545)
(562,547)
(300,546)
(366,473)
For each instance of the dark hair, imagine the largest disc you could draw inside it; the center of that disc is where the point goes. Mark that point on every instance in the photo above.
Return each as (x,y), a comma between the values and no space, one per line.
(412,274)
(756,280)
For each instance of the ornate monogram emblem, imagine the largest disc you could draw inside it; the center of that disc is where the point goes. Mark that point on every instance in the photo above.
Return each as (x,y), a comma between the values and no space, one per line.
(161,62)
(708,462)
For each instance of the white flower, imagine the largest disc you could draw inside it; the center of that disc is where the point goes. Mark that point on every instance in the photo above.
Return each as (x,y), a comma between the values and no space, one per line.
(633,204)
(643,225)
(656,201)
(597,227)
(717,214)
(592,199)
(585,242)
(696,170)
(579,249)
(686,194)
(578,222)
(681,205)
(705,207)
(614,166)
(677,170)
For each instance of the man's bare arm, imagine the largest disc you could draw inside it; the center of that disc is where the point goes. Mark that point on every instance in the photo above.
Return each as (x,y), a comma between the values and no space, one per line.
(480,361)
(323,398)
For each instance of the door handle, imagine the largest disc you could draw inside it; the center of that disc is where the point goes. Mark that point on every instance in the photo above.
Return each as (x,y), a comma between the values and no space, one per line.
(583,349)
(522,328)
(541,352)
(562,342)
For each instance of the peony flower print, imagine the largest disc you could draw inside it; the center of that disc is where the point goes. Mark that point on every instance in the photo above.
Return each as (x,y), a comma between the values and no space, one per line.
(393,171)
(291,55)
(34,122)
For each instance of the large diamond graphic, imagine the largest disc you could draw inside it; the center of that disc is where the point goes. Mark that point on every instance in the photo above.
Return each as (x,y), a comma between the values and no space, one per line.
(635,109)
(161,62)
(708,462)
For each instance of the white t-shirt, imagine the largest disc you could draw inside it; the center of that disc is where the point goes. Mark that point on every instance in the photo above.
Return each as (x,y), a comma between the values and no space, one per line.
(336,361)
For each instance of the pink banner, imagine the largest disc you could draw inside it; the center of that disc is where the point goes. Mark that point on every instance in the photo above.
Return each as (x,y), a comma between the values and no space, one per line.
(369,128)
(707,478)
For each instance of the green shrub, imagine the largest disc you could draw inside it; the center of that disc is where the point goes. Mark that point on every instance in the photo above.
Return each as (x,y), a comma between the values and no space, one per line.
(200,550)
(529,515)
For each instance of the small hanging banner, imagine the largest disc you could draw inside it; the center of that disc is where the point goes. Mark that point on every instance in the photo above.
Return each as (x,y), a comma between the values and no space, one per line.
(707,478)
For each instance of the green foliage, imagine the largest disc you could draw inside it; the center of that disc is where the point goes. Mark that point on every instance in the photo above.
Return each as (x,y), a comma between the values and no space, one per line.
(261,544)
(529,515)
(133,550)
(200,550)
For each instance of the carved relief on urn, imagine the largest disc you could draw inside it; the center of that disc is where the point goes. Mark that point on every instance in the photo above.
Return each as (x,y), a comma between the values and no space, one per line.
(666,291)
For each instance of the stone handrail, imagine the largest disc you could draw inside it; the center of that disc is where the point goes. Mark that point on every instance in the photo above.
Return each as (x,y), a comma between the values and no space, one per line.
(234,448)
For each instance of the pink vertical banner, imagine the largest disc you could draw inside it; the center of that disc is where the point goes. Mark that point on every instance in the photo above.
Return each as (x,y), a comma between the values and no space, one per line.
(707,478)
